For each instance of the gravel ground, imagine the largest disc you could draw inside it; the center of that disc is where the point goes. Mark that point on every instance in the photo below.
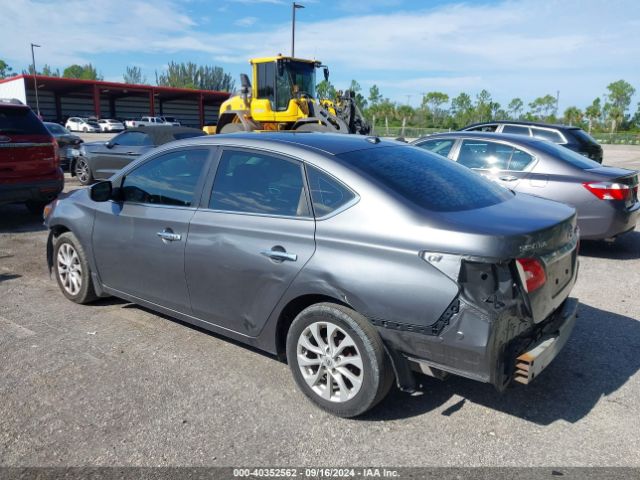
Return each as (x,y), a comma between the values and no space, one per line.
(114,384)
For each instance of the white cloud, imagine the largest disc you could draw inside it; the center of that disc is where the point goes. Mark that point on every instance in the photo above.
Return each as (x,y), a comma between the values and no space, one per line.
(246,21)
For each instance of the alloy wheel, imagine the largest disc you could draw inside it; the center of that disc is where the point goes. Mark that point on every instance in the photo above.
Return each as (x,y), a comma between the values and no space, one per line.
(330,362)
(69,269)
(82,171)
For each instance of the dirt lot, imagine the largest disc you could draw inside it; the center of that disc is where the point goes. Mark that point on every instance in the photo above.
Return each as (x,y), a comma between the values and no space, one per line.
(112,384)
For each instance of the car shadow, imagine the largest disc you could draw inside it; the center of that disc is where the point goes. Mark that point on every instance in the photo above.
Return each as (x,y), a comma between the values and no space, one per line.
(15,218)
(627,247)
(599,358)
(8,276)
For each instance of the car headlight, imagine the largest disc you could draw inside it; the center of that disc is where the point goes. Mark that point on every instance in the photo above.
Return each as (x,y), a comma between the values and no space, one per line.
(81,151)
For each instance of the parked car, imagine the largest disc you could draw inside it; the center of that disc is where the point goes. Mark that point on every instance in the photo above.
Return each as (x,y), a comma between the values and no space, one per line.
(357,259)
(573,138)
(100,160)
(148,122)
(29,160)
(171,121)
(68,143)
(110,125)
(79,124)
(606,198)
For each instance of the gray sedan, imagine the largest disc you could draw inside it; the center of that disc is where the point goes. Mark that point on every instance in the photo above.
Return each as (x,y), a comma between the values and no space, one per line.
(358,260)
(606,198)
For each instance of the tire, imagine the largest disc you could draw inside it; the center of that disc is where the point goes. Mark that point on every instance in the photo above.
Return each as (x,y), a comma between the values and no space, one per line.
(72,270)
(35,207)
(364,360)
(85,130)
(83,171)
(232,127)
(312,127)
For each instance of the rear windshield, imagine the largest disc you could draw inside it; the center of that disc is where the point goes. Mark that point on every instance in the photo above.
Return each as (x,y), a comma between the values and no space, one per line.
(568,156)
(427,180)
(583,136)
(21,121)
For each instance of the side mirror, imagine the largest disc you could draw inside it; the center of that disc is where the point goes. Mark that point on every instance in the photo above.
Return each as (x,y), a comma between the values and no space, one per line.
(109,144)
(325,70)
(101,191)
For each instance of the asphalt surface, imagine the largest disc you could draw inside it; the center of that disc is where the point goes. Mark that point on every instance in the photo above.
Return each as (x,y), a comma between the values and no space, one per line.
(114,384)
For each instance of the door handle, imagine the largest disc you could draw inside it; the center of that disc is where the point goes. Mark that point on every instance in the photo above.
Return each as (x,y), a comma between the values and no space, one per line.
(279,255)
(508,178)
(169,236)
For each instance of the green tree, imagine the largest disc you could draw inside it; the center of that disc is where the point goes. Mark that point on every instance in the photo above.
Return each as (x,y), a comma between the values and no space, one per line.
(134,76)
(326,90)
(5,69)
(593,112)
(432,103)
(573,115)
(84,72)
(462,110)
(358,97)
(542,108)
(515,108)
(375,97)
(190,75)
(618,101)
(483,106)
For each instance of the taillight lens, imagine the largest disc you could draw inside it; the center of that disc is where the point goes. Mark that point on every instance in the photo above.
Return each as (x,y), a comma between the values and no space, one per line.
(532,273)
(610,190)
(56,153)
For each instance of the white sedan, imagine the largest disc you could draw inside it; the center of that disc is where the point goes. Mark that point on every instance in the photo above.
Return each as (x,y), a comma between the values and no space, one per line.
(80,124)
(110,125)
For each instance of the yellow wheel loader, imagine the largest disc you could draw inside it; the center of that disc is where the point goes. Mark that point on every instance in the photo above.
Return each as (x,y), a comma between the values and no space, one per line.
(281,96)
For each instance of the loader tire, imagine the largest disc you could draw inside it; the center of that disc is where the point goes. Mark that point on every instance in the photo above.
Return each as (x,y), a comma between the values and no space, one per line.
(312,127)
(232,127)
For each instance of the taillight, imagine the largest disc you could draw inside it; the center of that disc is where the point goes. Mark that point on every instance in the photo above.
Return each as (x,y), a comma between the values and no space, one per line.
(56,153)
(531,273)
(609,190)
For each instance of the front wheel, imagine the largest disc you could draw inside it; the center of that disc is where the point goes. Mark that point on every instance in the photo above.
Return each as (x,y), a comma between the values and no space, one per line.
(83,172)
(72,270)
(338,360)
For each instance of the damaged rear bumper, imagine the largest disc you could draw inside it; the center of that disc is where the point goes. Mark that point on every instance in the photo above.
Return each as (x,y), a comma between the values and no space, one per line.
(537,357)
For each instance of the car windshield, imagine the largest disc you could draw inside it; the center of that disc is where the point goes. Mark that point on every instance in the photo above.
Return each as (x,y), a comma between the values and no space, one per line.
(294,73)
(56,129)
(427,180)
(568,156)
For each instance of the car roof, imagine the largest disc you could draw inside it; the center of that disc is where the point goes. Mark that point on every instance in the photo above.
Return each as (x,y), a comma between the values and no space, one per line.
(523,122)
(163,134)
(509,137)
(331,143)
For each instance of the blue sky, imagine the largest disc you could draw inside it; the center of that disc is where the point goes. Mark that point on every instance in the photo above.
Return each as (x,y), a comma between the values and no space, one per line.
(525,48)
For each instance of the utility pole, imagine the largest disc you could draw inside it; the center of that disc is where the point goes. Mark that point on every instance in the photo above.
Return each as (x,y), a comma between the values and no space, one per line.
(557,101)
(294,7)
(35,80)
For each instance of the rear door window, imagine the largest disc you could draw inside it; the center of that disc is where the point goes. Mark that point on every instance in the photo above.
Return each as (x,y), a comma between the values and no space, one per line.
(551,135)
(480,154)
(169,179)
(327,193)
(441,146)
(516,130)
(253,182)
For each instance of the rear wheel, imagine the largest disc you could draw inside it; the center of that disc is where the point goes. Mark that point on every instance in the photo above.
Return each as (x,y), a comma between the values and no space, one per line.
(72,270)
(232,127)
(313,127)
(338,360)
(83,172)
(85,129)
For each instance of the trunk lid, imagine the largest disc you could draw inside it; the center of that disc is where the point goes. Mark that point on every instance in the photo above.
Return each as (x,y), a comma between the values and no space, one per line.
(525,227)
(26,156)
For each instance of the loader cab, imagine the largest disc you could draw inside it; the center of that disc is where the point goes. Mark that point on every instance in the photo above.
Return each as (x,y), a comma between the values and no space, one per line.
(281,79)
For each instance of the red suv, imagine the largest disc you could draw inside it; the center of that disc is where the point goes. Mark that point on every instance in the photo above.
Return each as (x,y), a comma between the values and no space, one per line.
(29,162)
